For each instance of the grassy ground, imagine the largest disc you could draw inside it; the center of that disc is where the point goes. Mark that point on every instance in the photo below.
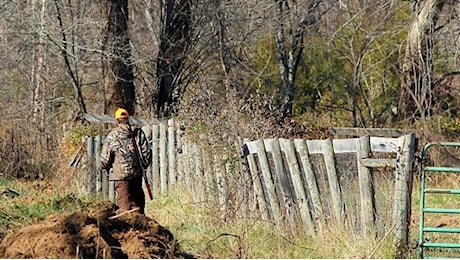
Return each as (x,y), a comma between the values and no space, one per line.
(27,202)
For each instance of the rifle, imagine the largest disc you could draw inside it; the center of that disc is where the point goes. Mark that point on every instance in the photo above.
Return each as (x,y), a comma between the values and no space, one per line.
(139,154)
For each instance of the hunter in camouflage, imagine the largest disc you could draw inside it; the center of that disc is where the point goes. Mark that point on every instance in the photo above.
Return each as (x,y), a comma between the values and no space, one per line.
(119,154)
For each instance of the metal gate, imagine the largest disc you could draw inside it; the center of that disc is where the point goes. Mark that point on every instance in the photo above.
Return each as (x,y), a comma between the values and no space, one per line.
(439,240)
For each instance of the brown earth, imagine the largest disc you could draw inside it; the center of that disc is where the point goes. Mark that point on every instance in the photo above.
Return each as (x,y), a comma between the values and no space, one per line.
(91,235)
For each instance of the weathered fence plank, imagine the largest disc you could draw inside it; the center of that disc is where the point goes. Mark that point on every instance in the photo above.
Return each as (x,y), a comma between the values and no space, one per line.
(171,153)
(334,184)
(301,199)
(105,178)
(366,187)
(163,159)
(91,169)
(97,152)
(155,166)
(267,180)
(312,184)
(273,146)
(259,198)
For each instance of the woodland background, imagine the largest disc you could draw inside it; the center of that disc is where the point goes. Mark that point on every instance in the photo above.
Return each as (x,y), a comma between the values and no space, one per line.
(222,69)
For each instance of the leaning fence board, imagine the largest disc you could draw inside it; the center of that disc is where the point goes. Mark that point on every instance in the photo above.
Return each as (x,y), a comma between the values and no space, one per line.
(272,146)
(333,180)
(366,188)
(301,199)
(259,200)
(268,180)
(312,184)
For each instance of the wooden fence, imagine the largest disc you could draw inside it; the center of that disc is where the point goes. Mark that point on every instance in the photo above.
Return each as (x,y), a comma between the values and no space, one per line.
(299,185)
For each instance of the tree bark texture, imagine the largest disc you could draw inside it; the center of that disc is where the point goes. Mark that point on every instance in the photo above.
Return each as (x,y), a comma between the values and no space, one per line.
(416,98)
(175,36)
(117,63)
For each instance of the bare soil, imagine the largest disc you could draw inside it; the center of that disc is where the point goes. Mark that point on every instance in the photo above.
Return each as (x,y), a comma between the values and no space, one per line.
(91,234)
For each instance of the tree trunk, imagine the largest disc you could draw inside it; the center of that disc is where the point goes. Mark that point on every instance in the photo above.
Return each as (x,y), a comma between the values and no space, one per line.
(38,70)
(73,73)
(416,78)
(175,37)
(117,64)
(289,43)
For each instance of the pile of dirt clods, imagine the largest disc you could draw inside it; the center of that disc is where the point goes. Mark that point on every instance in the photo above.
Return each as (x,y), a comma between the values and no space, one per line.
(93,234)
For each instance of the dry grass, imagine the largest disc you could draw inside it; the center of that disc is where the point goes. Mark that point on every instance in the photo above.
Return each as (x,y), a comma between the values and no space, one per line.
(201,232)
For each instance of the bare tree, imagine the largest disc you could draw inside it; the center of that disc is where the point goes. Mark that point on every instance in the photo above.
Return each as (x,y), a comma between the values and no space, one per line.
(292,19)
(367,39)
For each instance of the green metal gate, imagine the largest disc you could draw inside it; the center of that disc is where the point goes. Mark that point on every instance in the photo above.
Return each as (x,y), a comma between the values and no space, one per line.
(443,239)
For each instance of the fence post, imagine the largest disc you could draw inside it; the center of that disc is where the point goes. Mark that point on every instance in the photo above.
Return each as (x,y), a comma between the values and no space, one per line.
(155,168)
(163,159)
(366,187)
(403,190)
(97,151)
(171,154)
(90,174)
(104,178)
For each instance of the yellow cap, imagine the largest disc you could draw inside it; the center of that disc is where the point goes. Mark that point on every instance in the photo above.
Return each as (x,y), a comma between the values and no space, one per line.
(121,113)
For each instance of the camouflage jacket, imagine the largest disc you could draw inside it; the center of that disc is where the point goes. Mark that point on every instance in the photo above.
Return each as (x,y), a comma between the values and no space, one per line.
(118,153)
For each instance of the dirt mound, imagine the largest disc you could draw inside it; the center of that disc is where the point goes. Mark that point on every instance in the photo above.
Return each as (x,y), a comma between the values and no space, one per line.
(91,235)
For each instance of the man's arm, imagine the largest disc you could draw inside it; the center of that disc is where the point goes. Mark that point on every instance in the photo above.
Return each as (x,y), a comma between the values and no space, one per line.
(107,155)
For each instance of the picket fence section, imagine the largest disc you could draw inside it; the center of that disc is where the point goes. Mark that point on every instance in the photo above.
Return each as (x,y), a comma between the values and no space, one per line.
(277,180)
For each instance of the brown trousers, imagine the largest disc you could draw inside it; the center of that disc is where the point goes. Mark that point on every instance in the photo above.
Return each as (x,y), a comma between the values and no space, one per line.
(130,194)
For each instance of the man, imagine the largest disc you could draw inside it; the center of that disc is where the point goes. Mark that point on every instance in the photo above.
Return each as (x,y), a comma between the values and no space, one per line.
(119,152)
